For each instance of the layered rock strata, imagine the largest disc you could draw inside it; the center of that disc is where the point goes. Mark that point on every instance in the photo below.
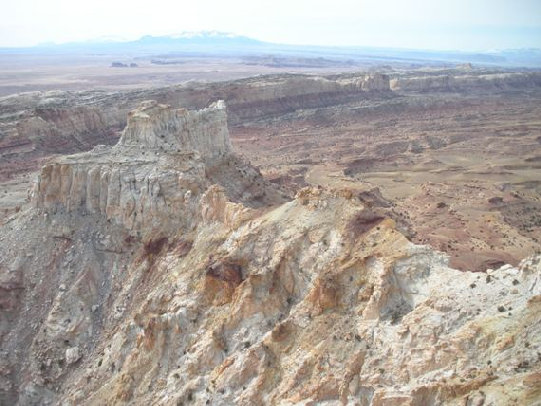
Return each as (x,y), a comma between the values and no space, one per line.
(36,125)
(158,127)
(219,292)
(314,301)
(467,83)
(164,160)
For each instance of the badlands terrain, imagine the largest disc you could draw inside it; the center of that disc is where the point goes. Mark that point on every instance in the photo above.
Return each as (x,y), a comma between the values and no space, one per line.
(364,239)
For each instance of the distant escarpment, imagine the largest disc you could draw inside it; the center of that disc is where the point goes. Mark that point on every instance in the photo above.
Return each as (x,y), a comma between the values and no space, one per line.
(36,125)
(286,93)
(483,82)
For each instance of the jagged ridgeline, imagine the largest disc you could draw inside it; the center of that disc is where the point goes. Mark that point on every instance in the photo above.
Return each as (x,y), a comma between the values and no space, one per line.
(166,270)
(165,159)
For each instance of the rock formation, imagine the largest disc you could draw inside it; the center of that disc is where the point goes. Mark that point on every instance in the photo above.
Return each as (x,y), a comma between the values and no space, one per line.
(165,270)
(165,159)
(469,82)
(37,125)
(158,127)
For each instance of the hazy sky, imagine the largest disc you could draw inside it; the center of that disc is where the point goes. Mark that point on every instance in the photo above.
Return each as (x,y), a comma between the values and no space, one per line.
(428,24)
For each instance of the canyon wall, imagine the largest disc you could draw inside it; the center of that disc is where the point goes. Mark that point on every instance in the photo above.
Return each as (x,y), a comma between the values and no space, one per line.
(467,83)
(275,95)
(38,124)
(35,125)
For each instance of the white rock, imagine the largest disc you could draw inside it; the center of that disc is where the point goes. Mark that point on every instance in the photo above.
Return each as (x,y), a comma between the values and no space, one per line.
(72,355)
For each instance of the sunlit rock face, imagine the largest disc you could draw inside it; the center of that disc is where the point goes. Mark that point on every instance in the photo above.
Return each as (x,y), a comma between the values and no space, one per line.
(155,174)
(158,126)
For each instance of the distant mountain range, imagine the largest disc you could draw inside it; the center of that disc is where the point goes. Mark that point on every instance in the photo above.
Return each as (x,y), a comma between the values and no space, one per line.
(212,43)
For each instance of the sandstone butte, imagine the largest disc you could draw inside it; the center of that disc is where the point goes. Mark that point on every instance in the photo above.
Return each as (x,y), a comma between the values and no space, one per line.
(165,271)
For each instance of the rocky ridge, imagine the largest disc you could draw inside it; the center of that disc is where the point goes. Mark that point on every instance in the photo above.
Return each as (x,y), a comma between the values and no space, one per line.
(165,270)
(164,160)
(466,82)
(36,125)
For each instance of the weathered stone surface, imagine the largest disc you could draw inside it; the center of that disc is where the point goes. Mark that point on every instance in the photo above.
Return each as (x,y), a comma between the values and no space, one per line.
(34,125)
(153,178)
(219,292)
(157,126)
(470,82)
(72,355)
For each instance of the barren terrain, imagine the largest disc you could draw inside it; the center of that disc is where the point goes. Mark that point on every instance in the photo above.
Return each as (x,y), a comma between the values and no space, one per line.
(24,73)
(356,238)
(461,165)
(463,170)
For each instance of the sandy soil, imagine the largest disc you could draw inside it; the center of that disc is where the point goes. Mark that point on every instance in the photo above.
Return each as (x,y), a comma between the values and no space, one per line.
(23,73)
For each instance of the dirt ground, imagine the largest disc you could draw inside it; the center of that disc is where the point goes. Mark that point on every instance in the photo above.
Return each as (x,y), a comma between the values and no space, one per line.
(463,171)
(24,73)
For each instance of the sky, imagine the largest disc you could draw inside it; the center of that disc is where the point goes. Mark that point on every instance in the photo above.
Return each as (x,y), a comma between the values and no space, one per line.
(468,25)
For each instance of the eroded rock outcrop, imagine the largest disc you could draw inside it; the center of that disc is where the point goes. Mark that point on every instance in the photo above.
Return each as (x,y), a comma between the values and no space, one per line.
(280,94)
(483,82)
(155,275)
(159,127)
(35,125)
(152,179)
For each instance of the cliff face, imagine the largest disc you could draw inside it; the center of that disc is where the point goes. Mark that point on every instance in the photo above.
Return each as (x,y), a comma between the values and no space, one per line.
(36,125)
(39,124)
(486,82)
(255,98)
(163,162)
(146,274)
(158,126)
(137,193)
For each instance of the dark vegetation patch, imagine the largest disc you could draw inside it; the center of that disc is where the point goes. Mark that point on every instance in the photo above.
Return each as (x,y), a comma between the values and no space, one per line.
(524,215)
(495,200)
